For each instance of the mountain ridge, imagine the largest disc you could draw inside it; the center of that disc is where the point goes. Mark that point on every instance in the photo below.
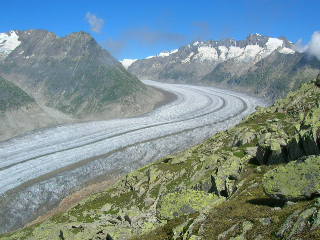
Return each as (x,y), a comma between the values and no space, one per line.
(231,63)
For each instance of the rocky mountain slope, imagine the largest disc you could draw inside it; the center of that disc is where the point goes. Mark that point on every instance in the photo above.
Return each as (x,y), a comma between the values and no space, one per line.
(258,180)
(72,75)
(262,65)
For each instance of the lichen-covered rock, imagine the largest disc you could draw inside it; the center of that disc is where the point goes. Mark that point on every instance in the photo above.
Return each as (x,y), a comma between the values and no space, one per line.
(243,136)
(295,181)
(219,174)
(246,227)
(297,223)
(317,82)
(186,202)
(225,178)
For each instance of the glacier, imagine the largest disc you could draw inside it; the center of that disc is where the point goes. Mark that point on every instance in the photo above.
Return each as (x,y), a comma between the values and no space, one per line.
(39,169)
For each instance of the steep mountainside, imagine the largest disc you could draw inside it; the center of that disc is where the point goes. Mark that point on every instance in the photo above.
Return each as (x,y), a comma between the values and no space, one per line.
(18,111)
(258,65)
(258,180)
(271,77)
(72,75)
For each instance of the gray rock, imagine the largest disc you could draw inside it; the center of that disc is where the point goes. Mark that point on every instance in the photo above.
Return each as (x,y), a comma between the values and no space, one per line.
(295,181)
(315,220)
(265,221)
(317,82)
(287,225)
(226,233)
(302,222)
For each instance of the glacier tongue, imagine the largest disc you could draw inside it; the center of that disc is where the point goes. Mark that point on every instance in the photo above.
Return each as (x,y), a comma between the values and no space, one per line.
(8,42)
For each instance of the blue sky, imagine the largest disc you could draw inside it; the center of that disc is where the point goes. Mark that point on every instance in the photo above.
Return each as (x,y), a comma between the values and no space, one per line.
(137,29)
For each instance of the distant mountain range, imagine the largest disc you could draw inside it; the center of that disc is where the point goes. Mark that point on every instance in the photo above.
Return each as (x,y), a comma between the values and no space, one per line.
(265,66)
(68,78)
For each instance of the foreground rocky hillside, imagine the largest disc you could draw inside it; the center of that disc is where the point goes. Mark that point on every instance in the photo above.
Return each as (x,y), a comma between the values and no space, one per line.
(72,77)
(261,65)
(258,180)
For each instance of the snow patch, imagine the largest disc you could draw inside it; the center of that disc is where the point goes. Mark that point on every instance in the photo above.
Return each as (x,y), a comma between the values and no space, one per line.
(234,52)
(166,54)
(188,59)
(196,43)
(174,51)
(206,53)
(286,51)
(272,45)
(8,43)
(127,62)
(250,52)
(223,52)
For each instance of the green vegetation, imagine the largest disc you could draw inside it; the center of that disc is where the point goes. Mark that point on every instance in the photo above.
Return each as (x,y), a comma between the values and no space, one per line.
(11,96)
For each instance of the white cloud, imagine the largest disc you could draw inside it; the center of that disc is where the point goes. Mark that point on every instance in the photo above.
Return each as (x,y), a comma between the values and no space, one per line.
(312,48)
(96,23)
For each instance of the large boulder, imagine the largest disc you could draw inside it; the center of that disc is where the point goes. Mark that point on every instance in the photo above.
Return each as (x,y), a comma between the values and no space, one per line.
(219,174)
(297,180)
(186,202)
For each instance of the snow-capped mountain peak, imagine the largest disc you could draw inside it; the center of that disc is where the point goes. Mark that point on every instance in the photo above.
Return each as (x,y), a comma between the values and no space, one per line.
(8,42)
(253,49)
(127,62)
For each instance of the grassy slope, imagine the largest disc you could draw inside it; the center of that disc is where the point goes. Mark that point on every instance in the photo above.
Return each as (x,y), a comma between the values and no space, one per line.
(226,165)
(11,96)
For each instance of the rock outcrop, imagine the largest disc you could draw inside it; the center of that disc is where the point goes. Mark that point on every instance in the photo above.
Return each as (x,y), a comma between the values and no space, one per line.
(297,180)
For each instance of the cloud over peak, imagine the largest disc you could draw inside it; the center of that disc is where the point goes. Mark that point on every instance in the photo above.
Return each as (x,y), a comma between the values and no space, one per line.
(313,47)
(96,23)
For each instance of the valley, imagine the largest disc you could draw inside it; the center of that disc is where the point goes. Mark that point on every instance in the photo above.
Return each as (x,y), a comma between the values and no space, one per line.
(168,120)
(39,169)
